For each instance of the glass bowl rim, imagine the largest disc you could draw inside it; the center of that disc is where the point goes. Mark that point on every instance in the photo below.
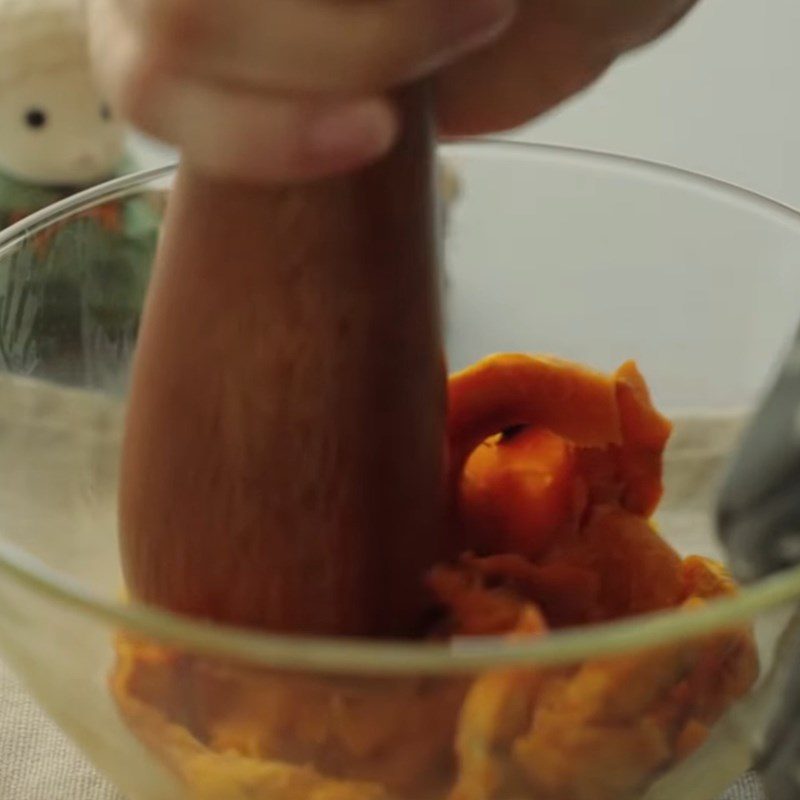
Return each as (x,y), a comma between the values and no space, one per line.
(359,656)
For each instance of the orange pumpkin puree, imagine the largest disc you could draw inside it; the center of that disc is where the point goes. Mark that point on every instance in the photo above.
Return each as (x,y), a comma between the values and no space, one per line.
(554,473)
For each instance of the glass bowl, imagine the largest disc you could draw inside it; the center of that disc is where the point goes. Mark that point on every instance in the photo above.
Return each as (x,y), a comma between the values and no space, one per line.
(588,256)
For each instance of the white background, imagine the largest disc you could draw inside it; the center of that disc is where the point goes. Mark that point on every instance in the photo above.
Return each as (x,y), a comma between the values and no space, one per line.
(720,95)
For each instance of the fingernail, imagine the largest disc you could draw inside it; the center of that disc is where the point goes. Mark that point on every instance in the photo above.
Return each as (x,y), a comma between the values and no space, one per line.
(473,23)
(352,134)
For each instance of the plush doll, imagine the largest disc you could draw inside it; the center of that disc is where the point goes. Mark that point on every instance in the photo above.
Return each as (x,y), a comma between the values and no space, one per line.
(70,297)
(56,132)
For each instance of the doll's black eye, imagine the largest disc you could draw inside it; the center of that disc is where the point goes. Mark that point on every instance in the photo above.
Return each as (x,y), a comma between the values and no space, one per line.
(35,118)
(105,111)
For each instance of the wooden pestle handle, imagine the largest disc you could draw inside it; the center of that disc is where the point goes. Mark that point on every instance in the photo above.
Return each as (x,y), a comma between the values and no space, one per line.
(284,449)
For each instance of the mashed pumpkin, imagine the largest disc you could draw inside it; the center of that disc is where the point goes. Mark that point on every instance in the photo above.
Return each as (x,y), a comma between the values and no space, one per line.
(555,471)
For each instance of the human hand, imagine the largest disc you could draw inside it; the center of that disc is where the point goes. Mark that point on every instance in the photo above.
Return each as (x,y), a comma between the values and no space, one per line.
(551,50)
(290,90)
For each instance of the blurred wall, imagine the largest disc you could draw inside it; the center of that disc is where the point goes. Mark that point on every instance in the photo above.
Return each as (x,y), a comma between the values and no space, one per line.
(719,95)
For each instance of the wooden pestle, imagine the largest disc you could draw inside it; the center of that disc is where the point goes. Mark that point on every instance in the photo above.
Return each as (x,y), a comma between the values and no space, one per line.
(284,449)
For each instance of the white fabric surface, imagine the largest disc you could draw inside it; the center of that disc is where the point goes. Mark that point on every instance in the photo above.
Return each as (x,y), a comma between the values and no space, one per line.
(37,762)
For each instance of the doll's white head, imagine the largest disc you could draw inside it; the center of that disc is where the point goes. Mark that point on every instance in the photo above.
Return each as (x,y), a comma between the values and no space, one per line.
(55,128)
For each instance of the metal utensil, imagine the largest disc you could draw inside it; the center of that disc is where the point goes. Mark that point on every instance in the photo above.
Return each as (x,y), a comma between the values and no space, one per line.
(758,521)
